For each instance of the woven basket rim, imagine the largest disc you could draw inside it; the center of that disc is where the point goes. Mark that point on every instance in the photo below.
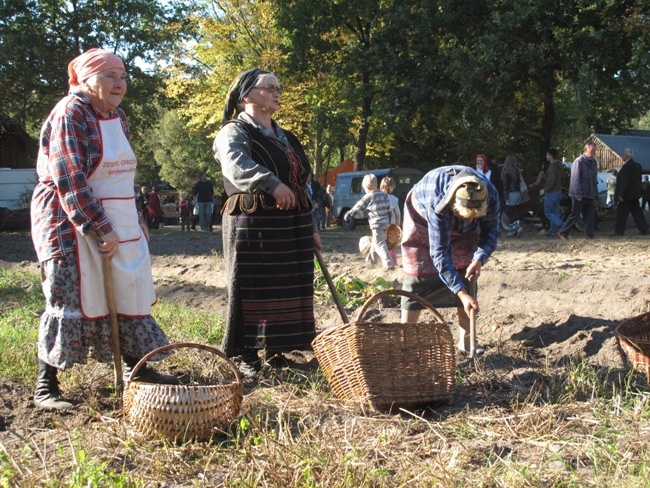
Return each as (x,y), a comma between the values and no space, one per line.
(627,328)
(178,345)
(385,293)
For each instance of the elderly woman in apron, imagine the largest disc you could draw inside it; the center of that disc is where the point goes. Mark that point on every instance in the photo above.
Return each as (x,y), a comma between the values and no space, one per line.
(84,208)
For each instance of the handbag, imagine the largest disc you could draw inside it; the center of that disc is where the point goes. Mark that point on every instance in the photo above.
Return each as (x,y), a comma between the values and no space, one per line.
(523,189)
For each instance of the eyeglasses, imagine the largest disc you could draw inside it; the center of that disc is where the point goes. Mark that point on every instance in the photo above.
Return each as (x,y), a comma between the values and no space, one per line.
(271,88)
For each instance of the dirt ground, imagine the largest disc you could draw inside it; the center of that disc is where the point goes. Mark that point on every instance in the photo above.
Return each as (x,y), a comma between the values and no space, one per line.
(555,299)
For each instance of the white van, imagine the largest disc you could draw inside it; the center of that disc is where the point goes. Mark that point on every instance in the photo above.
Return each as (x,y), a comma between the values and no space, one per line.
(349,191)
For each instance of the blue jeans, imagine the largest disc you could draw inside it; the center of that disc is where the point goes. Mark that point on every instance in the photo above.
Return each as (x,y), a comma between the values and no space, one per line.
(552,210)
(205,215)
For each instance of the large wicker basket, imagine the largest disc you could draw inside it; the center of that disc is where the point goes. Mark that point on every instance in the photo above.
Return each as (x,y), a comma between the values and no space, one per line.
(182,412)
(386,365)
(633,337)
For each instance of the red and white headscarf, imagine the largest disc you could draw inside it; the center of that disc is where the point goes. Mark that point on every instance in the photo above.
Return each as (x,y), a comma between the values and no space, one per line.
(485,162)
(90,63)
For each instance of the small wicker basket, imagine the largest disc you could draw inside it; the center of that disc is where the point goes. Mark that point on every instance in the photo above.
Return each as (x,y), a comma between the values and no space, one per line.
(633,337)
(182,412)
(393,236)
(386,365)
(364,245)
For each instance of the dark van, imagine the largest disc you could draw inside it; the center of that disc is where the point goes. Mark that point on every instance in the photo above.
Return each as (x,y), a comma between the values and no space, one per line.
(349,191)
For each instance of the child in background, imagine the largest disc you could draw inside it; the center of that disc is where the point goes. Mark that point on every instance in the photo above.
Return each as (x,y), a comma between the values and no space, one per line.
(395,216)
(185,208)
(377,204)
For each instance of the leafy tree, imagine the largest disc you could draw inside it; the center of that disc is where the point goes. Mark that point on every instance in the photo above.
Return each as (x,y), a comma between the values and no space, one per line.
(342,39)
(38,38)
(183,154)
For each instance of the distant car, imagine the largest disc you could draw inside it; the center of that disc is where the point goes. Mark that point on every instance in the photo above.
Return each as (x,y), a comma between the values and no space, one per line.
(171,212)
(349,191)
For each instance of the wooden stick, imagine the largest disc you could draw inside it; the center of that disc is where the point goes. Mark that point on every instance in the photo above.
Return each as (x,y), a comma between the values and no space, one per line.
(472,320)
(330,283)
(115,331)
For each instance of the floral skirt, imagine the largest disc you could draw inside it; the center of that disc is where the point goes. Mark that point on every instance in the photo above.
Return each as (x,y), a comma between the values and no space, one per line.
(65,337)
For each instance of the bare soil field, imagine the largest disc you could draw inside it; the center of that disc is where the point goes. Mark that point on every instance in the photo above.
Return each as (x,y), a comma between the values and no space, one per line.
(544,303)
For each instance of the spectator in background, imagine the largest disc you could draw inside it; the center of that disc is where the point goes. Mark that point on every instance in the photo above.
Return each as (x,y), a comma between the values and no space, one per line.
(483,167)
(185,209)
(497,182)
(142,201)
(319,202)
(553,184)
(540,181)
(203,192)
(377,204)
(628,192)
(611,189)
(395,216)
(583,190)
(388,186)
(512,177)
(155,209)
(645,193)
(330,202)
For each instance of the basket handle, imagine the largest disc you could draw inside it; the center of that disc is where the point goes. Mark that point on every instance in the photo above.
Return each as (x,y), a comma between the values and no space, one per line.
(193,345)
(408,294)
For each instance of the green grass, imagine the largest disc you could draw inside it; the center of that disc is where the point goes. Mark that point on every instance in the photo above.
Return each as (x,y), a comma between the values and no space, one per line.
(183,324)
(581,426)
(22,303)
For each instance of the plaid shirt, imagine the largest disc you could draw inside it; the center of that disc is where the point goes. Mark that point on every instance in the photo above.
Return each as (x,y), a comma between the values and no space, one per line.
(430,251)
(378,206)
(70,151)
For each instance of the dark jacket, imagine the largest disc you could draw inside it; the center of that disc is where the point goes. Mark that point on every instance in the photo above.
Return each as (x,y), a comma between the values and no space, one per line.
(203,191)
(628,181)
(584,178)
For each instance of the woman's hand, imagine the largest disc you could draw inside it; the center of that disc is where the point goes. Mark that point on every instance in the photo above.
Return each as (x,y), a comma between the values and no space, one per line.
(284,197)
(108,243)
(317,242)
(474,270)
(469,302)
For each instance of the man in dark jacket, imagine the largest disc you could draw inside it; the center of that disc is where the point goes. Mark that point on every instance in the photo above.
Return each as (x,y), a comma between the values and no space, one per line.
(203,191)
(627,194)
(583,190)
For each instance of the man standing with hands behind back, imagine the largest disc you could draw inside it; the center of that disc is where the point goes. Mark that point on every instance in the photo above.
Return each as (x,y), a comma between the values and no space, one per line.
(204,193)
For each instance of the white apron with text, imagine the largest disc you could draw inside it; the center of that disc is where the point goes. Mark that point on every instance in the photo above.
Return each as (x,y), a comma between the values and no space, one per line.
(112,185)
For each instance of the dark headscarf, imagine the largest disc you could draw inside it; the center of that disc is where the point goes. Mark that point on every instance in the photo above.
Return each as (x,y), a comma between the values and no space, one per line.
(239,88)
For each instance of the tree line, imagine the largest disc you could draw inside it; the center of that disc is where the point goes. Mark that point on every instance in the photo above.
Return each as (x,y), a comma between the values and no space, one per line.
(387,83)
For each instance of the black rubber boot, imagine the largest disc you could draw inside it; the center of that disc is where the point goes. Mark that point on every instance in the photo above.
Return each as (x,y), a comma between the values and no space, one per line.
(250,364)
(47,393)
(146,374)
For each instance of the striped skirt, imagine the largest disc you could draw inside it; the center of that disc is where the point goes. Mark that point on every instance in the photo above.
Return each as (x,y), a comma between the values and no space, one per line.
(269,259)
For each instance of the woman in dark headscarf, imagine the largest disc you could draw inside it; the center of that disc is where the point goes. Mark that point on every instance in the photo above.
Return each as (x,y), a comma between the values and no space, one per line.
(268,232)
